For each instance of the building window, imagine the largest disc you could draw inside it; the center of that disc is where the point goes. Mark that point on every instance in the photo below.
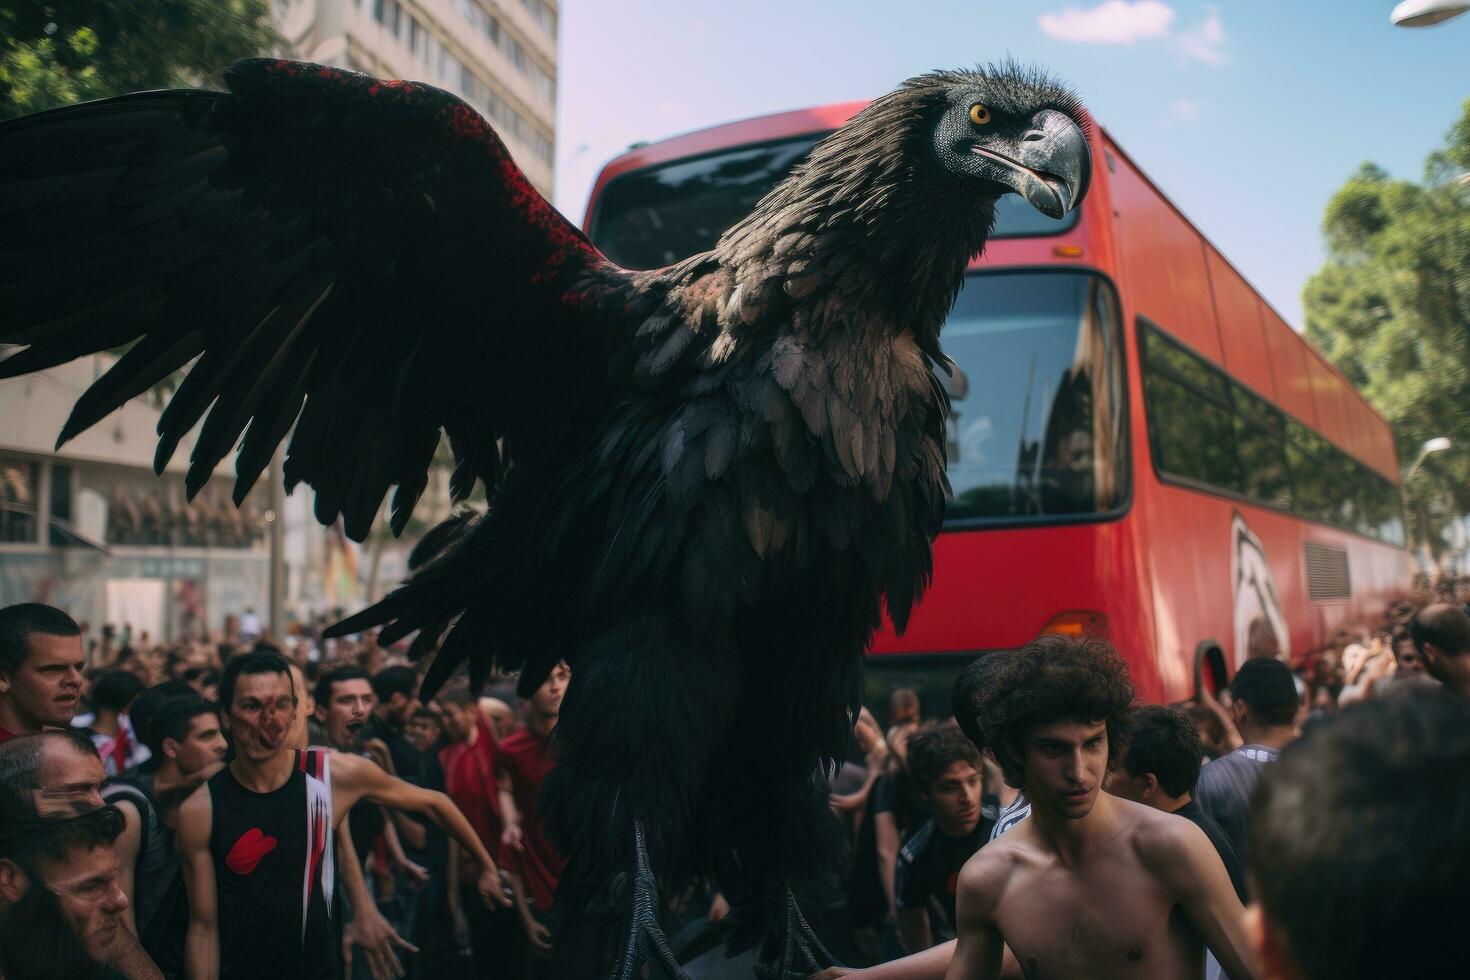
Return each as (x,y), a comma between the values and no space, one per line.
(471,12)
(489,25)
(545,17)
(20,482)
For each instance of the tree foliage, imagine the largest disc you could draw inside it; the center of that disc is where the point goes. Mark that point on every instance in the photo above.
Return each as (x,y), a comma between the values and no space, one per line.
(1391,307)
(73,50)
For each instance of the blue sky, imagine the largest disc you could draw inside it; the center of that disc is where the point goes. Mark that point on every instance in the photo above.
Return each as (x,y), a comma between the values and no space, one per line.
(1249,114)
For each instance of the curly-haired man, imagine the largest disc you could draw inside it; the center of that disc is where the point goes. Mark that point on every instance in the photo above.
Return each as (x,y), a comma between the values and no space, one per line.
(1088,884)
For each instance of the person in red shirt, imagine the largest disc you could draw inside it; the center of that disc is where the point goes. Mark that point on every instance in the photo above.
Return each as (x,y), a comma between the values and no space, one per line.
(41,664)
(533,864)
(469,763)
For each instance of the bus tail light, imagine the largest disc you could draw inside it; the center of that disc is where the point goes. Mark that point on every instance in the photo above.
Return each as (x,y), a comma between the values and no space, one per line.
(1076,622)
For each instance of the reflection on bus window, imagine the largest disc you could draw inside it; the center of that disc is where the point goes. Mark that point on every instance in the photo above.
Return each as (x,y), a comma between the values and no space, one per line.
(1036,402)
(654,217)
(1209,432)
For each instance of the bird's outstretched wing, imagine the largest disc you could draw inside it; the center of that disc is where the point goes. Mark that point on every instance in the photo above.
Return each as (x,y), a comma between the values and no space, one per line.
(360,258)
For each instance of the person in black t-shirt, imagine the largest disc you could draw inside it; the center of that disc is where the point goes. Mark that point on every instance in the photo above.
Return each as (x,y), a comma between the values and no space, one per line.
(183,734)
(945,766)
(396,690)
(1160,770)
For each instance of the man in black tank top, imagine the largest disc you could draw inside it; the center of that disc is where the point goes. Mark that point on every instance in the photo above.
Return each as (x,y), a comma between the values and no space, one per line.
(257,840)
(273,874)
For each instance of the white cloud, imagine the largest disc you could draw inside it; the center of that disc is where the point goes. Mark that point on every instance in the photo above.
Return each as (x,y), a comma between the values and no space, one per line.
(1184,110)
(1206,42)
(1113,22)
(1126,21)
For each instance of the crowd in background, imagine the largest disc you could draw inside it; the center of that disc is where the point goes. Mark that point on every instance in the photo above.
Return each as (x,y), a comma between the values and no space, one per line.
(917,797)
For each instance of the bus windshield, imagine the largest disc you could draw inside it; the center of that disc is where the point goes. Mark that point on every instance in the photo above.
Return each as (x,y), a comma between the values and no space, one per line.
(1036,426)
(654,217)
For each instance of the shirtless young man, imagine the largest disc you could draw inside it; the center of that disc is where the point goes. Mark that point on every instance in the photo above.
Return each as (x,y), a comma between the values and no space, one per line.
(1089,885)
(256,840)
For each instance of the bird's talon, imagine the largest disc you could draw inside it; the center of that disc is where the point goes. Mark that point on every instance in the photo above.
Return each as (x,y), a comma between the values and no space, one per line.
(801,952)
(645,935)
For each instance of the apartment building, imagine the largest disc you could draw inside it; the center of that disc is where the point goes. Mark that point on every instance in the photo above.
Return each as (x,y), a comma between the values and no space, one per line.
(498,55)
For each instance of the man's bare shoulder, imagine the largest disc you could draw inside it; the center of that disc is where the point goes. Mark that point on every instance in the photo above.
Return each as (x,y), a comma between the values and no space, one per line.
(986,874)
(1164,840)
(195,817)
(355,778)
(349,769)
(197,802)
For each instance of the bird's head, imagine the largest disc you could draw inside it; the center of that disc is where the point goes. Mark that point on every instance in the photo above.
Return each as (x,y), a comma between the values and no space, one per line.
(924,165)
(904,194)
(1009,129)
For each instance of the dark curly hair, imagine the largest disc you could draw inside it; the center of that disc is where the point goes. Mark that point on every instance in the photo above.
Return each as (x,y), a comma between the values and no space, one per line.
(934,748)
(1055,678)
(964,700)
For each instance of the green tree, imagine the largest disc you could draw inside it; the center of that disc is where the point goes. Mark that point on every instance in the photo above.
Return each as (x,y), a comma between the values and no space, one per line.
(1391,308)
(70,51)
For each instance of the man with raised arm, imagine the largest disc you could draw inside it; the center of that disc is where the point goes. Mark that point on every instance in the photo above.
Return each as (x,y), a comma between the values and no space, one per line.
(1089,884)
(257,840)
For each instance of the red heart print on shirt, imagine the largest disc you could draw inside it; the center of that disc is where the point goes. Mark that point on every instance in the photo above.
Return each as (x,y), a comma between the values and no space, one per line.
(245,853)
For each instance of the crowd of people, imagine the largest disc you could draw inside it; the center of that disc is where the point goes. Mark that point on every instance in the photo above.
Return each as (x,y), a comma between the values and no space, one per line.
(241,808)
(950,792)
(265,810)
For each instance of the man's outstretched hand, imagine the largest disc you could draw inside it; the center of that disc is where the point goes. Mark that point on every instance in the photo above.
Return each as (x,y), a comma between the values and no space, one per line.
(376,937)
(538,935)
(493,889)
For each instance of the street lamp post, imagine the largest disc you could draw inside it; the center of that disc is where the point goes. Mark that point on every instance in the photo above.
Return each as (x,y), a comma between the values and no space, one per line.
(1426,13)
(1435,445)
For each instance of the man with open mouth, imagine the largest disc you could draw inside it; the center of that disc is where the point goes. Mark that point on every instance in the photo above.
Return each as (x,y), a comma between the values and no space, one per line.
(345,705)
(41,664)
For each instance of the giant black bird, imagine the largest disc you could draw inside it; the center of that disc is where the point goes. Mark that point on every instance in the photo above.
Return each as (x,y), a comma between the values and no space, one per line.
(705,482)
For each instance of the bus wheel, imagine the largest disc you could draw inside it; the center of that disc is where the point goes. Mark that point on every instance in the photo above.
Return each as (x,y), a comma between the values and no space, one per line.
(1209,668)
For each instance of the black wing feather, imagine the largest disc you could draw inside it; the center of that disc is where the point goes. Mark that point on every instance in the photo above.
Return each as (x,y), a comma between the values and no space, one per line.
(360,259)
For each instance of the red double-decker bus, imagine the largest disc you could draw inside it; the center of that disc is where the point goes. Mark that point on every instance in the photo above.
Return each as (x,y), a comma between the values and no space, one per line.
(1139,444)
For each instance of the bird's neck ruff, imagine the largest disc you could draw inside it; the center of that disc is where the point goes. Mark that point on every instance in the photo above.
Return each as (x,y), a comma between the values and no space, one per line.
(869,215)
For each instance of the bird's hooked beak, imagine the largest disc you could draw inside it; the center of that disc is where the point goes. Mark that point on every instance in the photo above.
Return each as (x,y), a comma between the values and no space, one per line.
(1049,166)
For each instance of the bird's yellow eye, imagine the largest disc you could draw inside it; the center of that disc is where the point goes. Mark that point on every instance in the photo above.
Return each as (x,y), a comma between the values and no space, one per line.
(979,115)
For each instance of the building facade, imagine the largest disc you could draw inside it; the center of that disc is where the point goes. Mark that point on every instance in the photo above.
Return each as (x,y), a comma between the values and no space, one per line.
(92,530)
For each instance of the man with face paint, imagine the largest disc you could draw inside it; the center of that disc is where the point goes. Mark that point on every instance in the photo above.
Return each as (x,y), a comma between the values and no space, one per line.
(257,840)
